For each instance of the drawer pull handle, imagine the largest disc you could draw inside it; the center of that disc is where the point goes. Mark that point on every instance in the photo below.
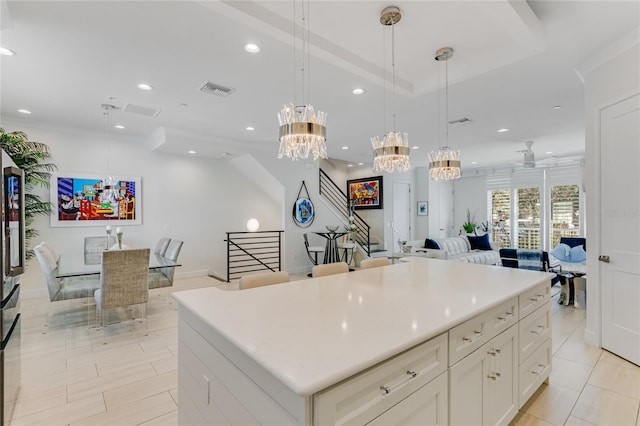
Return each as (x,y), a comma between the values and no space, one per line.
(504,317)
(540,295)
(492,376)
(494,352)
(386,390)
(478,335)
(535,332)
(533,299)
(540,370)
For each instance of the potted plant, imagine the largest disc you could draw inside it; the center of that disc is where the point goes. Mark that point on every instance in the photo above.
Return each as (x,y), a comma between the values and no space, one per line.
(469,226)
(33,158)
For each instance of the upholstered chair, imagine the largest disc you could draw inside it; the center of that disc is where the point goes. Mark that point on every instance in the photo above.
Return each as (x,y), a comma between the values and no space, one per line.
(93,248)
(161,247)
(329,269)
(163,277)
(63,288)
(259,280)
(374,262)
(123,281)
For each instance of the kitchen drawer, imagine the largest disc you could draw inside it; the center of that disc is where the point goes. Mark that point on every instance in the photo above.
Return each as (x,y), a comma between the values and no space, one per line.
(534,298)
(534,330)
(533,371)
(367,395)
(471,334)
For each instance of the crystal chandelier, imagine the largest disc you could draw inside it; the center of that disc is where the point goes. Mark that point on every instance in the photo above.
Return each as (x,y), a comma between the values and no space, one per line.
(391,151)
(444,164)
(302,129)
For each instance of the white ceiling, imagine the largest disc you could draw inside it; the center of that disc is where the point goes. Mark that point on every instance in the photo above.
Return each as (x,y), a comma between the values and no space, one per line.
(513,61)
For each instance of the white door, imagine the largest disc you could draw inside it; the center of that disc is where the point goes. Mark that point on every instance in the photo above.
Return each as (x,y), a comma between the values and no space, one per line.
(440,209)
(402,209)
(620,227)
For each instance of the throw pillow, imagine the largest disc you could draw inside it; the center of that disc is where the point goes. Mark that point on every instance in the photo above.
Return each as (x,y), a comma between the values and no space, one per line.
(430,244)
(561,252)
(577,254)
(480,243)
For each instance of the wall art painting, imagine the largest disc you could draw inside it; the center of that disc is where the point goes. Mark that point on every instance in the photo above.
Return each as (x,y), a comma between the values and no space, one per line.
(365,193)
(82,199)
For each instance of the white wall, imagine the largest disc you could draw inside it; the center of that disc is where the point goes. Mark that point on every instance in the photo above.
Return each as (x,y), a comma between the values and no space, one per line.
(421,191)
(189,198)
(469,193)
(605,83)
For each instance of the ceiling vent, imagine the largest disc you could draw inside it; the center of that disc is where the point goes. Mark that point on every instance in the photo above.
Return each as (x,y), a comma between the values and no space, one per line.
(216,89)
(137,109)
(461,121)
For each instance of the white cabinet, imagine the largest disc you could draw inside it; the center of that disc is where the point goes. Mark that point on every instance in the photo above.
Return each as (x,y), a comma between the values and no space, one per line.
(426,406)
(406,380)
(484,385)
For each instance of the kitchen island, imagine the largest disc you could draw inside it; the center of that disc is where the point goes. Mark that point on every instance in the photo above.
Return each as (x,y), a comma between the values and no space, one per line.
(426,341)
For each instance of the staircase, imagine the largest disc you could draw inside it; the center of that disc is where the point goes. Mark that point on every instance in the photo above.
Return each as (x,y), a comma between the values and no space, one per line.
(340,202)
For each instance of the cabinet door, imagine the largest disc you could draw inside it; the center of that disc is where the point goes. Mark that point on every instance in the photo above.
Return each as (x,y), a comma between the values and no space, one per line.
(426,406)
(501,383)
(467,387)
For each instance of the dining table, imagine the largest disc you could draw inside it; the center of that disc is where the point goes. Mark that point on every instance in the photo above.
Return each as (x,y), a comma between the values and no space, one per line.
(74,266)
(331,252)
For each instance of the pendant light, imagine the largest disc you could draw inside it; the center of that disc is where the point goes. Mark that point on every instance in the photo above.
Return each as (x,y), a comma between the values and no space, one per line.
(444,164)
(391,151)
(302,129)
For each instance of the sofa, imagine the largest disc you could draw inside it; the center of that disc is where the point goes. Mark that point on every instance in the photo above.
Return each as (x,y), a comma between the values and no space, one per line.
(458,248)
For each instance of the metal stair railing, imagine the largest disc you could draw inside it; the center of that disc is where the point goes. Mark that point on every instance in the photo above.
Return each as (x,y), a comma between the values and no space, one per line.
(340,201)
(253,251)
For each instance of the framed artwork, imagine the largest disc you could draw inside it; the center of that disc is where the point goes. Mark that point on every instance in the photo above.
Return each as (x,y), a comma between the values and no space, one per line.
(423,208)
(13,232)
(365,193)
(303,211)
(83,199)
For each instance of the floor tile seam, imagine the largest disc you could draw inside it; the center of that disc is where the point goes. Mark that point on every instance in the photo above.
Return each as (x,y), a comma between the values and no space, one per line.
(155,418)
(635,368)
(637,400)
(130,401)
(109,389)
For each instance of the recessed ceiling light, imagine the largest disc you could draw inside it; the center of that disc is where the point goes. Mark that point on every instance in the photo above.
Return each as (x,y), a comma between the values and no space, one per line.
(184,105)
(360,164)
(250,128)
(191,152)
(119,126)
(549,152)
(252,48)
(415,147)
(349,165)
(556,107)
(357,91)
(474,162)
(345,147)
(502,130)
(7,52)
(145,86)
(24,111)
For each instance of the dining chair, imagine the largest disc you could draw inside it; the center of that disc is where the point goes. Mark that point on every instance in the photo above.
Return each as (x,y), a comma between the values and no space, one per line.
(123,282)
(163,277)
(161,247)
(63,288)
(374,262)
(93,248)
(312,249)
(348,248)
(329,269)
(259,280)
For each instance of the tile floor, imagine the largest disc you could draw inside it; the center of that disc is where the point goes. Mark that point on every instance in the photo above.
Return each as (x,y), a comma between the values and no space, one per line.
(126,374)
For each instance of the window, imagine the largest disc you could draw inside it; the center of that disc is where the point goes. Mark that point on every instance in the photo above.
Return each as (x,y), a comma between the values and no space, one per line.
(528,226)
(501,217)
(565,212)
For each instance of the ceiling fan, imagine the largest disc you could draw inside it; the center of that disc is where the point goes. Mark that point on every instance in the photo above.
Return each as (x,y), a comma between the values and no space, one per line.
(529,160)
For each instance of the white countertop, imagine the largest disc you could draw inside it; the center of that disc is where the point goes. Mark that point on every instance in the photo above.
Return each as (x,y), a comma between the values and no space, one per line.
(313,333)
